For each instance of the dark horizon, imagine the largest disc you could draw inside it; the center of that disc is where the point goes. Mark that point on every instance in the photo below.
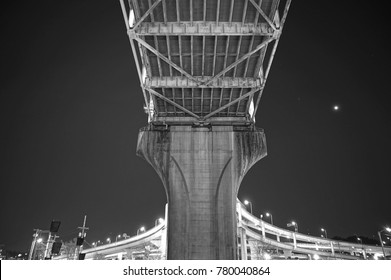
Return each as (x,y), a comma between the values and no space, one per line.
(72,107)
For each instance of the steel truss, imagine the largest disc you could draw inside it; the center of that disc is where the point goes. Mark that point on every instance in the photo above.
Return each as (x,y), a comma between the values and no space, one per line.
(196,65)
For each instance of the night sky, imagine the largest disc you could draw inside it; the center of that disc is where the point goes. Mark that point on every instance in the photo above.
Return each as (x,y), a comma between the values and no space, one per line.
(71,107)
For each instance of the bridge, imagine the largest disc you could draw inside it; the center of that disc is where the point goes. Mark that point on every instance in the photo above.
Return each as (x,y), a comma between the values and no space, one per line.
(257,240)
(202,62)
(202,67)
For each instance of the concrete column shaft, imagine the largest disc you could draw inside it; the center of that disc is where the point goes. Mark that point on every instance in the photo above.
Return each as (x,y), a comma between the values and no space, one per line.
(201,170)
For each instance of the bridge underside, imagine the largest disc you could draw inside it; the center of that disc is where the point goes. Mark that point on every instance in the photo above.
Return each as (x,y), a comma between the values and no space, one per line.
(203,61)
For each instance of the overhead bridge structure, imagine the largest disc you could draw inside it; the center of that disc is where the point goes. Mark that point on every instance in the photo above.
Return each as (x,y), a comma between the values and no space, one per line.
(202,67)
(203,62)
(256,240)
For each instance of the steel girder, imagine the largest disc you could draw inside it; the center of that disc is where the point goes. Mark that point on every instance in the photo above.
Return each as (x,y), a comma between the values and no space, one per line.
(186,59)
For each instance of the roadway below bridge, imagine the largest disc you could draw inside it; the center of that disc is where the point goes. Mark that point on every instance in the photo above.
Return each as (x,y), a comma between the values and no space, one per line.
(257,240)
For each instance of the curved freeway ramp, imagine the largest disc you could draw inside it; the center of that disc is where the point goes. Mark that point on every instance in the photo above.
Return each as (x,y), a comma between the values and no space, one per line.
(257,239)
(265,239)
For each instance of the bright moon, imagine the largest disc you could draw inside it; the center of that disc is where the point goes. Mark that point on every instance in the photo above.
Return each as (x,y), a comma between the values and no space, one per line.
(336,107)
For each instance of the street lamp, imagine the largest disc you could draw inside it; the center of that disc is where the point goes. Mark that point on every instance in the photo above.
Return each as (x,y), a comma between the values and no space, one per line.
(388,229)
(325,232)
(246,202)
(116,238)
(108,240)
(296,226)
(142,229)
(159,221)
(271,217)
(293,224)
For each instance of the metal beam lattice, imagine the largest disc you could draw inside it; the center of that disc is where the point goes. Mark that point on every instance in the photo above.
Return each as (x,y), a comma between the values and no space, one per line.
(203,59)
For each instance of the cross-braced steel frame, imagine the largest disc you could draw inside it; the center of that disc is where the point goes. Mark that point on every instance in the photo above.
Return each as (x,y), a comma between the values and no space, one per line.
(202,61)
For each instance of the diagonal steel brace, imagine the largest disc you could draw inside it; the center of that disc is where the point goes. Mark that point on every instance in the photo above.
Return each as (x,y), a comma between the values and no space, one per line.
(150,10)
(232,102)
(165,59)
(262,13)
(173,103)
(244,57)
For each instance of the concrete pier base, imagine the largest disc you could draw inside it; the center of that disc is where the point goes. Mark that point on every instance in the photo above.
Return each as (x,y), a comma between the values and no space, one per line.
(201,169)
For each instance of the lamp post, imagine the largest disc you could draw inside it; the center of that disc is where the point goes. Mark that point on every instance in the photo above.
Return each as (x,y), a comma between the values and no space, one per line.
(33,244)
(296,226)
(246,202)
(325,232)
(293,224)
(388,229)
(108,240)
(271,217)
(159,221)
(116,238)
(142,229)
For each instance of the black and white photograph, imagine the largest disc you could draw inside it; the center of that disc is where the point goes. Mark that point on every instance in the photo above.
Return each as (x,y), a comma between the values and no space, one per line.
(195,130)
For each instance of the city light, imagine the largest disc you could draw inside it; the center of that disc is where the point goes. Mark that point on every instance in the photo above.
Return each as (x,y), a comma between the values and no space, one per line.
(142,229)
(159,221)
(293,224)
(382,243)
(246,202)
(271,217)
(325,232)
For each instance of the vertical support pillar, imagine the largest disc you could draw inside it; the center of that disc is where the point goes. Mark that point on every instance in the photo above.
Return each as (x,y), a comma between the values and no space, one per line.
(243,243)
(48,247)
(294,240)
(33,244)
(163,245)
(201,169)
(263,229)
(332,248)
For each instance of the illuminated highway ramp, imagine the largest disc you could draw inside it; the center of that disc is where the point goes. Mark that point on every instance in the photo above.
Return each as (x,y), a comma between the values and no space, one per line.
(257,240)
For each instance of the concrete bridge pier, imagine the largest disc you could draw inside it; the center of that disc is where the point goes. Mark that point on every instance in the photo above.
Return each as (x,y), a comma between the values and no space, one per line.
(201,169)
